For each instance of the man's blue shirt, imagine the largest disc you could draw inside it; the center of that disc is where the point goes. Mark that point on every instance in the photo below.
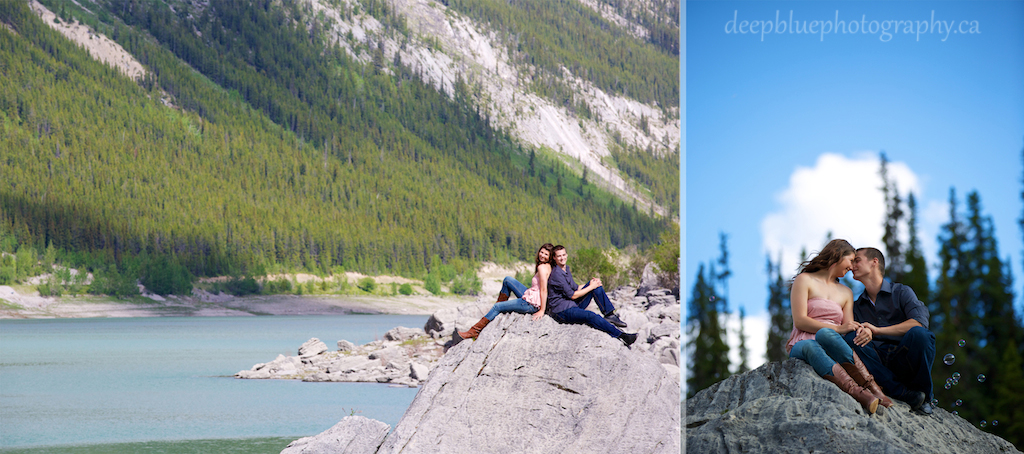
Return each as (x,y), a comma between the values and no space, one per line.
(894,304)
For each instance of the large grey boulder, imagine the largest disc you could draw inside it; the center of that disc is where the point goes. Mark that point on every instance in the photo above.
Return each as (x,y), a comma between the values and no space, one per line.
(542,387)
(353,435)
(786,407)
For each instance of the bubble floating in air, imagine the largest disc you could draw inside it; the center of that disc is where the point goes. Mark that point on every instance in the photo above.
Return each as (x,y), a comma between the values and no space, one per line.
(983,423)
(711,298)
(956,413)
(995,422)
(962,343)
(956,375)
(981,378)
(958,402)
(948,385)
(949,359)
(935,403)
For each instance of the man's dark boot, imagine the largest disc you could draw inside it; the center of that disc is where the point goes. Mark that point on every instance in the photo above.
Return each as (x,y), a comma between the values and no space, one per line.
(916,399)
(627,338)
(615,320)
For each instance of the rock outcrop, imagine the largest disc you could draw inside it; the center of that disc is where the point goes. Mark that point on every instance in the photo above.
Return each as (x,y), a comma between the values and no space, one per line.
(786,407)
(540,387)
(353,435)
(403,357)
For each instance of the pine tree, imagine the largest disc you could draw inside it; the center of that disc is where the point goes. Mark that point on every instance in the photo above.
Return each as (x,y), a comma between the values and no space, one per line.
(710,361)
(916,272)
(743,350)
(893,214)
(781,323)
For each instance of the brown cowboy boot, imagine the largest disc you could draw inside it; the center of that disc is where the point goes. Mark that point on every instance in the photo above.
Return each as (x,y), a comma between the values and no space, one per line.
(860,374)
(846,383)
(475,330)
(502,297)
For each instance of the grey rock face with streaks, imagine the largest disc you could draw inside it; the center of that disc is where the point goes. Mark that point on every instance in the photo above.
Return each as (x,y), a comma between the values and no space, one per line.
(353,435)
(539,387)
(786,407)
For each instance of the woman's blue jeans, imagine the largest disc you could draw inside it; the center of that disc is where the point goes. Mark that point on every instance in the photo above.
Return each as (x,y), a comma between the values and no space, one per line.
(510,286)
(826,349)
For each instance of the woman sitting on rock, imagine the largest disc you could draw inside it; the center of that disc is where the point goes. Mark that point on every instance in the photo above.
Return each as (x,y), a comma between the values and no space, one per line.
(822,312)
(528,300)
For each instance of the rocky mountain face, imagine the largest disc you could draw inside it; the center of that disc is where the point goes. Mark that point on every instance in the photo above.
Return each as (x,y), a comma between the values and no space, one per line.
(446,48)
(526,386)
(787,407)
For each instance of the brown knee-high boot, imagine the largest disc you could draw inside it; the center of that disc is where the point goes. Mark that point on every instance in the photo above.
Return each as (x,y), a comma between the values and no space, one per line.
(502,297)
(846,383)
(475,330)
(860,374)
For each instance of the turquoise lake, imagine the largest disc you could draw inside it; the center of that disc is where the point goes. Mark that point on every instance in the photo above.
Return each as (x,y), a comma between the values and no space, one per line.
(166,384)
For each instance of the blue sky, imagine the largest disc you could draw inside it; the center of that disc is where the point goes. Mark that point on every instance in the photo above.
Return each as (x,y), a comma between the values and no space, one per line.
(783,131)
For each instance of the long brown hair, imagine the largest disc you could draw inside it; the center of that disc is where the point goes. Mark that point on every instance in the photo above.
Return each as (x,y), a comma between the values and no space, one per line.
(551,256)
(831,254)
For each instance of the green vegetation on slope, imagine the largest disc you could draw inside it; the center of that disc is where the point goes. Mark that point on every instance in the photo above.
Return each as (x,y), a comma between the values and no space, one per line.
(283,157)
(552,34)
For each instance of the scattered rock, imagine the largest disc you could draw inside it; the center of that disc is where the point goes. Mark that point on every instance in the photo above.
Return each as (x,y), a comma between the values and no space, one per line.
(312,348)
(418,371)
(786,407)
(648,279)
(344,346)
(402,333)
(353,435)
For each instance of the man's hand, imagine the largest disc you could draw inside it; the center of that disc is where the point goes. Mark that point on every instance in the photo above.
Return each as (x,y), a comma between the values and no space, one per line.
(865,334)
(594,283)
(847,327)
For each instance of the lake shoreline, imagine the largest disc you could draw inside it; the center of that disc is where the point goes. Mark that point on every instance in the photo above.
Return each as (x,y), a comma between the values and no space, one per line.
(15,305)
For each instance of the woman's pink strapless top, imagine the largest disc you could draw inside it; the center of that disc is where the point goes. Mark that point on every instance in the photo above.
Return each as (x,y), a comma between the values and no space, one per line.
(532,294)
(820,309)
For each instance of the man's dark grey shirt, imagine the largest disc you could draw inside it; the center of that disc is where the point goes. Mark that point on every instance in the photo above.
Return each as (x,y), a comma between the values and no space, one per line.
(894,304)
(561,286)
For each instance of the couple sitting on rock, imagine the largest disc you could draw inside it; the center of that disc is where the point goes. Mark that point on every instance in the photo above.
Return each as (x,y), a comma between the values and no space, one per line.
(887,326)
(554,292)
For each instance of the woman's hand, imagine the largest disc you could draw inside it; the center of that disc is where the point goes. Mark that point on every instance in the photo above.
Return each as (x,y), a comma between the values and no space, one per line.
(539,314)
(850,325)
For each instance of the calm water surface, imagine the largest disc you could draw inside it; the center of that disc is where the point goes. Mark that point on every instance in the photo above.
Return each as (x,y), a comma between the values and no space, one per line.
(165,384)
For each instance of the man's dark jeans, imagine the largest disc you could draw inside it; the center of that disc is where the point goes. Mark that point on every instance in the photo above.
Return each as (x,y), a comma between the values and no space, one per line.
(580,314)
(900,368)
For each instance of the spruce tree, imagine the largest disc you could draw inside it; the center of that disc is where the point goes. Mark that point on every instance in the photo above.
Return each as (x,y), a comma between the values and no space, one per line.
(916,272)
(743,350)
(710,361)
(893,214)
(781,323)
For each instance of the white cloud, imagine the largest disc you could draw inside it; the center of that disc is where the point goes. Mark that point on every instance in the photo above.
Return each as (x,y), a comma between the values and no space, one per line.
(839,194)
(756,328)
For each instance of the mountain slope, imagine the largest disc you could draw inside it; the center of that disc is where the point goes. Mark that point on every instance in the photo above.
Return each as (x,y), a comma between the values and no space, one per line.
(299,158)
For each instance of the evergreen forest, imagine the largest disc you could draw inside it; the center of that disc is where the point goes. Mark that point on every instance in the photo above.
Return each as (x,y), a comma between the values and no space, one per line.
(970,300)
(253,145)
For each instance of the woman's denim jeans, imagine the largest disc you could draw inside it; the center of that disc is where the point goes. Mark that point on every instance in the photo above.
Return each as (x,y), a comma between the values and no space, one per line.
(510,286)
(827,348)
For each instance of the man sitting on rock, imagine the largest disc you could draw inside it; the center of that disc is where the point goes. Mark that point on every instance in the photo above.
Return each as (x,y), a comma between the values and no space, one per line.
(893,338)
(567,302)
